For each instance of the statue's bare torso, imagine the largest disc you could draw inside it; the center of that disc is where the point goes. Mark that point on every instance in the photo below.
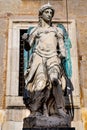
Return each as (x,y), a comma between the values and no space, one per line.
(47,42)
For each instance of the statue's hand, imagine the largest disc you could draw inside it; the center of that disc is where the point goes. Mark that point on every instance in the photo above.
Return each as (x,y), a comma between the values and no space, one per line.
(37,35)
(25,36)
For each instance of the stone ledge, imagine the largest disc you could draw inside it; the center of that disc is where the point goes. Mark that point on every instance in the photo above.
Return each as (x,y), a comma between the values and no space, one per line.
(18,101)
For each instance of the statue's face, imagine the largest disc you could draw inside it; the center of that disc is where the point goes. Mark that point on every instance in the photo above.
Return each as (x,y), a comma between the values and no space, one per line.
(47,15)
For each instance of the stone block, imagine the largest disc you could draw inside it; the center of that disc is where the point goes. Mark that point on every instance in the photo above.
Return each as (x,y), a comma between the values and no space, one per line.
(84,114)
(84,93)
(14,101)
(84,117)
(83,72)
(11,125)
(16,115)
(2,116)
(77,114)
(82,24)
(3,25)
(78,125)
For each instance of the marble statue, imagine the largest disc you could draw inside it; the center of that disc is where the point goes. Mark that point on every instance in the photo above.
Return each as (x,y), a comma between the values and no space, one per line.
(43,94)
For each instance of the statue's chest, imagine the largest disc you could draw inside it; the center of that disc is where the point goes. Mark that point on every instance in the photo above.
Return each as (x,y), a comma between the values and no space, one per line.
(47,35)
(47,31)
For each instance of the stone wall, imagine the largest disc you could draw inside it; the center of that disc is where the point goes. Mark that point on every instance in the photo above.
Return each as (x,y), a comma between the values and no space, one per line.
(77,9)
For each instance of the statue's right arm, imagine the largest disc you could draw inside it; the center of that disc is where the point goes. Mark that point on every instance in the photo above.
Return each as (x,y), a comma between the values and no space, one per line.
(28,39)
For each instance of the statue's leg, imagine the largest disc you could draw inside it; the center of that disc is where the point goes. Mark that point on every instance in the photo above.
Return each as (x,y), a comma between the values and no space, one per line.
(57,92)
(53,65)
(33,67)
(39,93)
(28,83)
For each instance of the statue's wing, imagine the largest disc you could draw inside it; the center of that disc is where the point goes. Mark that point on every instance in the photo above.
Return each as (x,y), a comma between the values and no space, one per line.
(67,64)
(28,54)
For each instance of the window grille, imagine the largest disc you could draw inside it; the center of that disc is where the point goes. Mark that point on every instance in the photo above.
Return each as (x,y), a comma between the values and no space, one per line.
(21,63)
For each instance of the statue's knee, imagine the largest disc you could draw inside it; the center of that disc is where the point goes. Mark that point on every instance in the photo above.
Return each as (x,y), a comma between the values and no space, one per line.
(40,85)
(54,81)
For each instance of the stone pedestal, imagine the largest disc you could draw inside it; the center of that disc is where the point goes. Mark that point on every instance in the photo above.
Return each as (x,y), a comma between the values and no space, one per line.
(46,122)
(48,129)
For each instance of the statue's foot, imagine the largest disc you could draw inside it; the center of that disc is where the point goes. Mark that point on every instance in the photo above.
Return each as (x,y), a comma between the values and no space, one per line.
(62,113)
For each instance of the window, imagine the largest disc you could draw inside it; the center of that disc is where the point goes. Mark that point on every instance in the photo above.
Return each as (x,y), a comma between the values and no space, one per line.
(21,63)
(15,79)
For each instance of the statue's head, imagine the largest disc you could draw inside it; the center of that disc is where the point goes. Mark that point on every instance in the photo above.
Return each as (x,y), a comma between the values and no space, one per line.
(46,11)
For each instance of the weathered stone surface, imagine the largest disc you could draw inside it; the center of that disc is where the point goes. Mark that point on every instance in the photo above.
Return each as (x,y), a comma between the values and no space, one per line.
(82,33)
(16,115)
(83,80)
(84,118)
(46,122)
(2,48)
(11,125)
(2,116)
(83,72)
(78,125)
(10,101)
(84,95)
(48,128)
(3,39)
(0,126)
(77,114)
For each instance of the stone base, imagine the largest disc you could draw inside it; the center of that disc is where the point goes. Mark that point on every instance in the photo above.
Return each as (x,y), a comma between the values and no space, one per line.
(46,122)
(48,129)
